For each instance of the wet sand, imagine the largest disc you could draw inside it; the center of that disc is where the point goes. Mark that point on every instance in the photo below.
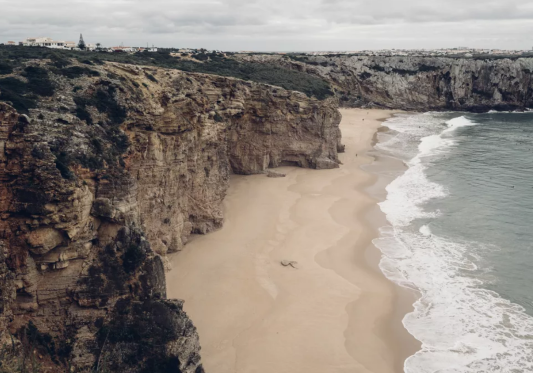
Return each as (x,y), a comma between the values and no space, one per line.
(334,312)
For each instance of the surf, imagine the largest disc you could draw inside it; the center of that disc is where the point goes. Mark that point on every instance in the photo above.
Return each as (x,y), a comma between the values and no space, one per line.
(462,326)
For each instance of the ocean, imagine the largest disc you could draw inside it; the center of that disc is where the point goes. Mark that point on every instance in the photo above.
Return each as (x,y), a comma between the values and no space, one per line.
(461,233)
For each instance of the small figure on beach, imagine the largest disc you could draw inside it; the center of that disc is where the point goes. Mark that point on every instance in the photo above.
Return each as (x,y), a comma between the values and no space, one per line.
(286,263)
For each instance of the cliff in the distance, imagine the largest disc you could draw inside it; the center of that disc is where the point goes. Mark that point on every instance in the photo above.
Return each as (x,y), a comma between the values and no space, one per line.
(110,168)
(419,83)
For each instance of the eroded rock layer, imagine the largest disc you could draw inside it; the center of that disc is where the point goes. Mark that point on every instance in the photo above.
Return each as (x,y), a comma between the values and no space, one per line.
(111,169)
(420,83)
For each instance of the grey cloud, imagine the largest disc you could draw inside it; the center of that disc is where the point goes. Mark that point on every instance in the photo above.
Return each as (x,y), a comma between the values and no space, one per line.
(341,11)
(274,24)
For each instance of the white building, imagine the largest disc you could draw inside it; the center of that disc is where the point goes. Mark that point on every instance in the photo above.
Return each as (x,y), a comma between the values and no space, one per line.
(50,43)
(44,42)
(122,49)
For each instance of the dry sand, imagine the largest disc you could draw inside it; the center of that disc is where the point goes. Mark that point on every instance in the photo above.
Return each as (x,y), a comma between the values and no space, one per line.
(335,312)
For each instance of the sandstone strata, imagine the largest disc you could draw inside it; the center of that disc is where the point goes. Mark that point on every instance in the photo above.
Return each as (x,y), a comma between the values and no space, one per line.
(420,83)
(113,171)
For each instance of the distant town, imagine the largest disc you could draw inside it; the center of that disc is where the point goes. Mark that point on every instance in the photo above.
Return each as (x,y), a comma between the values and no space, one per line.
(81,45)
(462,51)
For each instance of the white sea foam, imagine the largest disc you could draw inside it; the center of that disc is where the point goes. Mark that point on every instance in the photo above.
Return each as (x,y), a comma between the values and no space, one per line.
(455,123)
(425,231)
(462,327)
(527,110)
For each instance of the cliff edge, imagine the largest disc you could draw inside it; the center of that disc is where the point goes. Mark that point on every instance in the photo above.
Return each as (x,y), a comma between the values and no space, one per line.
(418,83)
(104,170)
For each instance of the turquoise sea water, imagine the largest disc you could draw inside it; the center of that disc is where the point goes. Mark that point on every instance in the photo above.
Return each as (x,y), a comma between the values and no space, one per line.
(461,233)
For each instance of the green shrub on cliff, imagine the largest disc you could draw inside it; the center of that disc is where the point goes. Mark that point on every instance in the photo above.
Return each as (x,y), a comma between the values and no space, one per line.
(76,72)
(104,101)
(5,68)
(59,61)
(133,258)
(14,90)
(38,81)
(23,95)
(151,77)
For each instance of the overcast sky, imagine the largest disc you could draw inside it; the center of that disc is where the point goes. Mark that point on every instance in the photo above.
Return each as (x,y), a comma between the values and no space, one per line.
(281,25)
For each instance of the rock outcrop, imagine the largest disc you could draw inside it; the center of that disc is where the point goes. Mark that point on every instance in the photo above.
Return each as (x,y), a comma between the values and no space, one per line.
(420,83)
(113,168)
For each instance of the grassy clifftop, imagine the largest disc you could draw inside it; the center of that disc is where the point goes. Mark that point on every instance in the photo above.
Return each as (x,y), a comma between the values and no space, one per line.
(216,64)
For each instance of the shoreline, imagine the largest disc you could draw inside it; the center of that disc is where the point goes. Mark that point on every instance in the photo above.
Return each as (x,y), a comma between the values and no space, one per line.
(385,169)
(336,311)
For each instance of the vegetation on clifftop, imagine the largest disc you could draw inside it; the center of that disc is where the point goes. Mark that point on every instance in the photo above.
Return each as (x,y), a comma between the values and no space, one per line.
(212,63)
(23,94)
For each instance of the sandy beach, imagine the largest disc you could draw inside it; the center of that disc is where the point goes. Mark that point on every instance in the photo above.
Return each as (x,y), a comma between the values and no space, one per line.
(335,312)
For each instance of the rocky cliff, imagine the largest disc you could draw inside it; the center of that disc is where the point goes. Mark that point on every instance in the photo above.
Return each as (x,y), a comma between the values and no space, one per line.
(419,83)
(106,169)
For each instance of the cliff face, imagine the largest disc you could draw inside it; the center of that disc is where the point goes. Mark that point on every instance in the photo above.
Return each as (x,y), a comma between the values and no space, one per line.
(111,169)
(421,83)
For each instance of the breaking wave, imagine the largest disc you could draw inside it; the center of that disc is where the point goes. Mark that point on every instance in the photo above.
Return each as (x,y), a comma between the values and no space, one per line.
(462,327)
